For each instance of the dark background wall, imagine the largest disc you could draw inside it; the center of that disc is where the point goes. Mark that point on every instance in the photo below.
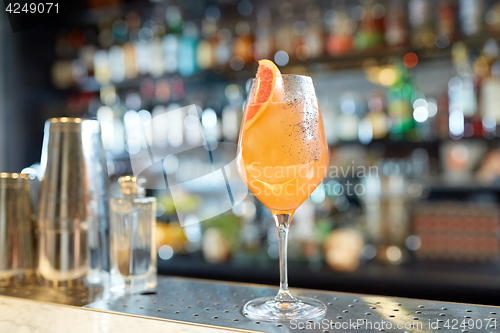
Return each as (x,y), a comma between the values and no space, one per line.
(26,94)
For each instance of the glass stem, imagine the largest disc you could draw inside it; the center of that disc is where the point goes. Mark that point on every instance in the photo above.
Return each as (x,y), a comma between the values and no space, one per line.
(283,222)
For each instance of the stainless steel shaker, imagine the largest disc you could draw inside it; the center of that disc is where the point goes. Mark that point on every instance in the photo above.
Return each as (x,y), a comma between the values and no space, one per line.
(17,235)
(73,214)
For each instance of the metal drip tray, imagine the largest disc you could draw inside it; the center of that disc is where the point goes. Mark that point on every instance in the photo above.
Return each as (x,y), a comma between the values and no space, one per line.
(219,305)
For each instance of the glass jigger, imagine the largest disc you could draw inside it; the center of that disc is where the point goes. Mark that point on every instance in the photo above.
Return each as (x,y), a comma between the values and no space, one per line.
(283,157)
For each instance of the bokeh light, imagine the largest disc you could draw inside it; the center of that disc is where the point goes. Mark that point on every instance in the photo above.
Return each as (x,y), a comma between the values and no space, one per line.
(420,114)
(410,60)
(237,63)
(165,252)
(245,7)
(387,76)
(209,118)
(281,58)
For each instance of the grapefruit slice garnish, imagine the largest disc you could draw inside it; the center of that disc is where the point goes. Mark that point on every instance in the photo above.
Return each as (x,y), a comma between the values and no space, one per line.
(268,87)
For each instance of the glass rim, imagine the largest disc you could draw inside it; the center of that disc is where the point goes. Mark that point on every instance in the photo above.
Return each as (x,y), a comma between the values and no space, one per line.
(13,175)
(66,120)
(288,75)
(295,75)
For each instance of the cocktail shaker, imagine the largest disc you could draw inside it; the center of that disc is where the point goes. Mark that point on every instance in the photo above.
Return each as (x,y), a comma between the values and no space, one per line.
(17,235)
(73,214)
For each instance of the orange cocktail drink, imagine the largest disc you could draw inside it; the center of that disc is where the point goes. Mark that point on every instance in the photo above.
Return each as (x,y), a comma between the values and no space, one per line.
(283,157)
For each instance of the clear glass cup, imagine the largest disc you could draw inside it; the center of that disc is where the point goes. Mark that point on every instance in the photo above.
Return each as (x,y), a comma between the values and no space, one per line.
(133,240)
(283,157)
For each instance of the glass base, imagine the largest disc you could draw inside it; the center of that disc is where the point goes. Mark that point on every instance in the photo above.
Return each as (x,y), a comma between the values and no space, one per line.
(129,285)
(269,309)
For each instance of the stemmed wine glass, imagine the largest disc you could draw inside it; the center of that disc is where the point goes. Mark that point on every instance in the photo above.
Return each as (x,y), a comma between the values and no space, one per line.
(282,158)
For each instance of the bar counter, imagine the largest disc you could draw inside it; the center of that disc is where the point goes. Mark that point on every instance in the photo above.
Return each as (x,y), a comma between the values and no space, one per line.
(191,305)
(17,315)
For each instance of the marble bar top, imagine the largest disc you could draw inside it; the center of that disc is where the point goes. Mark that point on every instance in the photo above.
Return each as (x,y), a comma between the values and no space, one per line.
(27,316)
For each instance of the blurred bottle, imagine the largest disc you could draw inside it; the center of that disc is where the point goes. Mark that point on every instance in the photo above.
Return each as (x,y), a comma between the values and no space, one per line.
(243,44)
(343,249)
(105,34)
(442,117)
(399,106)
(348,121)
(86,54)
(174,18)
(330,116)
(371,25)
(62,74)
(376,116)
(133,21)
(487,68)
(341,28)
(116,60)
(289,29)
(169,50)
(223,47)
(386,204)
(420,18)
(462,96)
(177,89)
(300,49)
(395,24)
(471,16)
(314,39)
(284,39)
(101,67)
(230,123)
(304,245)
(263,46)
(155,58)
(492,18)
(142,53)
(187,50)
(119,31)
(205,54)
(130,60)
(251,233)
(446,24)
(424,113)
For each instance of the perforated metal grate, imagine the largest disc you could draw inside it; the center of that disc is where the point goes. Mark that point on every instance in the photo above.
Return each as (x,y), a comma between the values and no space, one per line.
(220,304)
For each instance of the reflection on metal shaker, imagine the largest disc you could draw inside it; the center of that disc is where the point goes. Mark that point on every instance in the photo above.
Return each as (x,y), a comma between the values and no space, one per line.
(17,236)
(73,214)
